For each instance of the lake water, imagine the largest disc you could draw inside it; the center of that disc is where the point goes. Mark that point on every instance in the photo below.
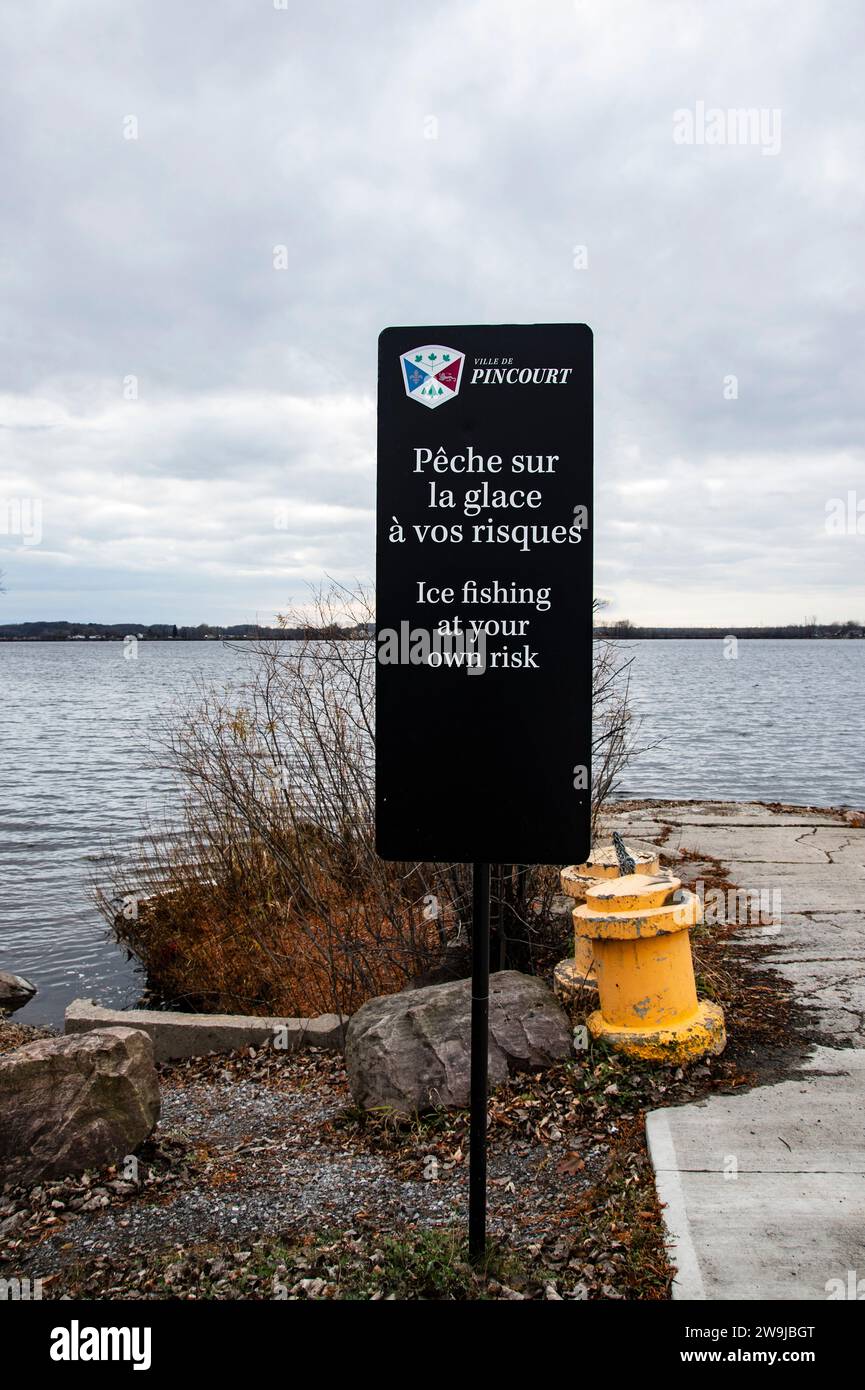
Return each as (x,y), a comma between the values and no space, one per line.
(79,723)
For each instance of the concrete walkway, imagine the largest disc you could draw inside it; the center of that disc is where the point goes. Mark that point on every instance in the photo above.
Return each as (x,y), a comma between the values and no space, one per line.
(764,1191)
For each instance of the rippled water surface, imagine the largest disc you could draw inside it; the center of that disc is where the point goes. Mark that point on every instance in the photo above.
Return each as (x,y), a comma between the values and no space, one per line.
(79,724)
(781,722)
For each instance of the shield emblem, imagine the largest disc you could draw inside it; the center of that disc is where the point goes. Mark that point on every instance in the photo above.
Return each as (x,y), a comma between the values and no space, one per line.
(432,374)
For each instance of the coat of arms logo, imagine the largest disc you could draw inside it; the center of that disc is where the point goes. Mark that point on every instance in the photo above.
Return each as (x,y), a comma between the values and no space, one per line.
(432,374)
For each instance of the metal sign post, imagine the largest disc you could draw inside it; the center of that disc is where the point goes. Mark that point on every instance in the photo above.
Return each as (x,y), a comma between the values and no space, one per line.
(479,1060)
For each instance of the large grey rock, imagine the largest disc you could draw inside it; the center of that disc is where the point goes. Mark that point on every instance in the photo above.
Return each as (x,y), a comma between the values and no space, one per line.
(75,1102)
(15,992)
(410,1051)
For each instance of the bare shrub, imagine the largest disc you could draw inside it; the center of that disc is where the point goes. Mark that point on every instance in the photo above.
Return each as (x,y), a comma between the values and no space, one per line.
(269,896)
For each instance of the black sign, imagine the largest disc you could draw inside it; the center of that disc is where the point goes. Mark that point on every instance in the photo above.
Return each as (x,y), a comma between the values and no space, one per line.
(484,593)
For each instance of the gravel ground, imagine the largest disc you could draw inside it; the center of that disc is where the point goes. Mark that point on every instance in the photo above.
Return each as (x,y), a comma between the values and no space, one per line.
(262,1146)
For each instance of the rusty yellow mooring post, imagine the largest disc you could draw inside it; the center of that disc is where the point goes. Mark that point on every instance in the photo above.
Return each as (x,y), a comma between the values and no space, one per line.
(578,972)
(638,926)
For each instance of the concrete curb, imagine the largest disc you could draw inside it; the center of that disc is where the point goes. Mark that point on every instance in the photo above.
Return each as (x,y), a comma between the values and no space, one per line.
(177,1035)
(688,1283)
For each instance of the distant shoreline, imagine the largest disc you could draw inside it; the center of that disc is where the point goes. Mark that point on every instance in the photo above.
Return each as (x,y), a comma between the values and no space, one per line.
(247,632)
(163,632)
(794,632)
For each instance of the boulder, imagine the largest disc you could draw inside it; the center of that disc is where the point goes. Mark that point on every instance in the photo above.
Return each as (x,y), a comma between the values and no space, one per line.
(411,1051)
(15,992)
(77,1102)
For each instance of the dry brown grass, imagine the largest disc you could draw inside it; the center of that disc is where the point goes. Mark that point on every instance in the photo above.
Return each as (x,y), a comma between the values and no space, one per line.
(225,955)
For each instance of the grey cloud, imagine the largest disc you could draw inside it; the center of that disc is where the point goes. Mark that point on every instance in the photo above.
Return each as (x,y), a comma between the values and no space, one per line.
(304,127)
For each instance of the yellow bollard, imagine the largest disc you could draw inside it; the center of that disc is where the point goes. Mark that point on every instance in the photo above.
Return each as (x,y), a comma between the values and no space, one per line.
(578,972)
(638,928)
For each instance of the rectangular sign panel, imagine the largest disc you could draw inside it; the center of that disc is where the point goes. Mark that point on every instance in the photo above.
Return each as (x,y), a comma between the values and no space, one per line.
(484,593)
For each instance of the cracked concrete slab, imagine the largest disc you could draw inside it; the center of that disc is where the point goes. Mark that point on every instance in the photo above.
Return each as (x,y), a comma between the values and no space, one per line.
(726,813)
(786,1128)
(842,846)
(802,887)
(762,844)
(764,1191)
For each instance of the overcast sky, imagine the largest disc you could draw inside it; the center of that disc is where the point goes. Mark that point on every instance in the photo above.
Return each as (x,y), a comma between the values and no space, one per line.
(245,467)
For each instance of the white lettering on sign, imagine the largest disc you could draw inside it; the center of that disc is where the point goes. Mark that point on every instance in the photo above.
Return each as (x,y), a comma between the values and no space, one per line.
(520,376)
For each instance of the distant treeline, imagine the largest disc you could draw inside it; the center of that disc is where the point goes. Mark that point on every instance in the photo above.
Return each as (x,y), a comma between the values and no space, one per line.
(250,632)
(631,630)
(157,632)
